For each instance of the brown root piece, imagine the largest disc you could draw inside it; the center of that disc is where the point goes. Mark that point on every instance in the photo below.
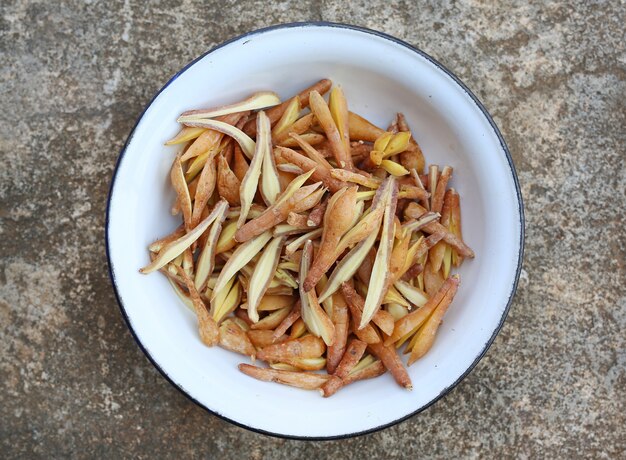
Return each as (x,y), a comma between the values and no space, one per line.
(227,183)
(442,184)
(262,338)
(209,332)
(414,211)
(320,173)
(286,323)
(351,357)
(240,164)
(303,380)
(204,189)
(355,302)
(362,130)
(341,320)
(232,337)
(315,217)
(337,221)
(321,111)
(306,347)
(392,362)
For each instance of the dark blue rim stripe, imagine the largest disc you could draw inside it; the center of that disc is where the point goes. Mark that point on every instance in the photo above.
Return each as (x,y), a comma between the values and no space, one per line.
(502,144)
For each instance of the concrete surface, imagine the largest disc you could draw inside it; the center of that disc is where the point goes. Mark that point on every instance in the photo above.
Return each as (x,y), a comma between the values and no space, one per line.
(76,74)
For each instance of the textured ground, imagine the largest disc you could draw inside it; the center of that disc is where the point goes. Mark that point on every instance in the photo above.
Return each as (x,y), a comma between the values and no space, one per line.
(74,77)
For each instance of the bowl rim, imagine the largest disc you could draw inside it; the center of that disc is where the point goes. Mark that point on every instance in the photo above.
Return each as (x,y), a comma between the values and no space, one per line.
(485,113)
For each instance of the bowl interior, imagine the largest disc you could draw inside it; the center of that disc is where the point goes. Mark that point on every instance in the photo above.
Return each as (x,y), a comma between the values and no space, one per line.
(380,77)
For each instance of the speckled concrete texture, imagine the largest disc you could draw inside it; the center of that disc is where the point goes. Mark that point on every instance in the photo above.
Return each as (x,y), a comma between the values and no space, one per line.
(76,74)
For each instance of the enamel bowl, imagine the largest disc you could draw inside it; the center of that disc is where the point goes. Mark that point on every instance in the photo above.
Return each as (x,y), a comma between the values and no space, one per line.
(380,75)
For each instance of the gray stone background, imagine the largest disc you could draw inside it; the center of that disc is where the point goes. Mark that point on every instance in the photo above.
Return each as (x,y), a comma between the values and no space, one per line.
(75,75)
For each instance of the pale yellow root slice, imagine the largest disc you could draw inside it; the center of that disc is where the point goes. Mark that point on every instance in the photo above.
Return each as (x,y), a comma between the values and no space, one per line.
(378,282)
(246,143)
(426,334)
(300,126)
(274,113)
(158,244)
(397,311)
(296,244)
(206,259)
(375,369)
(250,182)
(412,157)
(179,184)
(348,266)
(173,249)
(262,275)
(287,119)
(307,364)
(433,176)
(271,302)
(270,180)
(411,322)
(288,169)
(184,135)
(413,294)
(272,320)
(242,255)
(256,101)
(314,316)
(338,106)
(415,211)
(418,183)
(226,239)
(207,142)
(393,168)
(230,302)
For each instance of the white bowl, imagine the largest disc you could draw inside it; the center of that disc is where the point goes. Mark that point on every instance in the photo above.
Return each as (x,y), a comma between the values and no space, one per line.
(381,75)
